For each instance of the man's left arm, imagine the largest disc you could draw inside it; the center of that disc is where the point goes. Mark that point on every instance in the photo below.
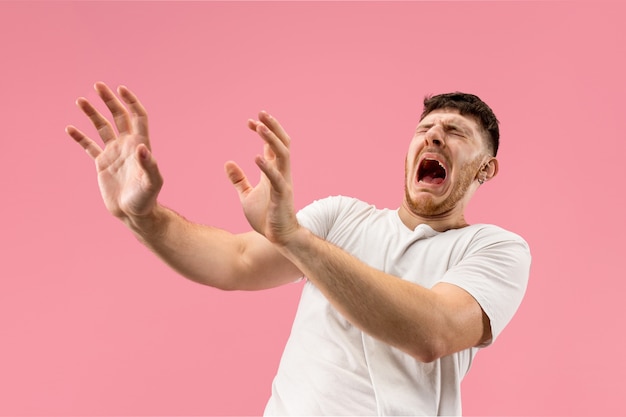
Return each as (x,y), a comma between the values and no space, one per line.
(425,323)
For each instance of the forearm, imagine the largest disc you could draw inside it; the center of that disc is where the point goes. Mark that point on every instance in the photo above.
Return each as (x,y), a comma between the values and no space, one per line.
(405,315)
(209,255)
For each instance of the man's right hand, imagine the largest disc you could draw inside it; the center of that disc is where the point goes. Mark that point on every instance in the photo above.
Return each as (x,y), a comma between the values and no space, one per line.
(128,175)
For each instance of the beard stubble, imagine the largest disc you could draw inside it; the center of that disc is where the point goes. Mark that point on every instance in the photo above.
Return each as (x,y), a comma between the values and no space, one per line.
(425,205)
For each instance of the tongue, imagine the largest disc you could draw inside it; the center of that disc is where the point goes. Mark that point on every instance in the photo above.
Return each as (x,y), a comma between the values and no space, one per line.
(430,180)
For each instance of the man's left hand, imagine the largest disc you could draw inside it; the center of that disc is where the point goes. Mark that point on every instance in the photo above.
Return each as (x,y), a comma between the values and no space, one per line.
(269,205)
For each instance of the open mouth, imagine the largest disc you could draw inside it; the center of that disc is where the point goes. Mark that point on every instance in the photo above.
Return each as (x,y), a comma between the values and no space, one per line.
(431,171)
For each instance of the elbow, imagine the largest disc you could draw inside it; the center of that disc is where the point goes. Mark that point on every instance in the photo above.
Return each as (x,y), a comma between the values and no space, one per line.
(222,284)
(429,357)
(227,285)
(429,350)
(426,357)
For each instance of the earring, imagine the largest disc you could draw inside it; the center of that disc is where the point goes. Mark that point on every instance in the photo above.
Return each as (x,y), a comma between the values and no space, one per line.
(481,181)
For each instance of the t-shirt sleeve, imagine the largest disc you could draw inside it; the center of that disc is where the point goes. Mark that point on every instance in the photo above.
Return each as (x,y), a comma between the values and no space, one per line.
(321,216)
(495,272)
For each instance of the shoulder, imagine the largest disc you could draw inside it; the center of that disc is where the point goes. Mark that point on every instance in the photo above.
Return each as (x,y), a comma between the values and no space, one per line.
(340,201)
(486,234)
(321,216)
(336,206)
(487,243)
(493,265)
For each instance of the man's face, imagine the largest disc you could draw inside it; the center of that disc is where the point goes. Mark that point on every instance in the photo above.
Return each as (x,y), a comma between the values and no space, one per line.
(443,162)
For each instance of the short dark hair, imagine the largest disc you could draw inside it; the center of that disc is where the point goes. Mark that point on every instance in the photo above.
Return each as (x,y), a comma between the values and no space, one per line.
(467,105)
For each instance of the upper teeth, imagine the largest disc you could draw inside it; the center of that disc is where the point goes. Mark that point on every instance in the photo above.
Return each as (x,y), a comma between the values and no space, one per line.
(440,164)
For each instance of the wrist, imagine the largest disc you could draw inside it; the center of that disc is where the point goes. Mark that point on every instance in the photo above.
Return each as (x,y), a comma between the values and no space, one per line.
(296,242)
(150,225)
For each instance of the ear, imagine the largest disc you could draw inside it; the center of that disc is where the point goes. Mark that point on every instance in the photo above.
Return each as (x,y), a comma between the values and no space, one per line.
(489,170)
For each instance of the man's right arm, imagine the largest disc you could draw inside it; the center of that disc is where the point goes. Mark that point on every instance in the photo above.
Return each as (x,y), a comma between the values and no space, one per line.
(130,181)
(212,256)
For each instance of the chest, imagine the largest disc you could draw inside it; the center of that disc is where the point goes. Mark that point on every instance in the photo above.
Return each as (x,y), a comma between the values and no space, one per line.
(421,256)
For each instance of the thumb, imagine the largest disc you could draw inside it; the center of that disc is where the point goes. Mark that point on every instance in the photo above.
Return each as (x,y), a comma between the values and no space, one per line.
(237,178)
(149,165)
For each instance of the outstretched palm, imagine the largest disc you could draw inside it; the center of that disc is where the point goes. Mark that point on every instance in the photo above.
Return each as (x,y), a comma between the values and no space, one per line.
(128,177)
(269,205)
(255,200)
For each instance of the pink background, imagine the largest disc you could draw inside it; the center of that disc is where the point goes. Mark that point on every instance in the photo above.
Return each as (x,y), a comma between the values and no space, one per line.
(91,323)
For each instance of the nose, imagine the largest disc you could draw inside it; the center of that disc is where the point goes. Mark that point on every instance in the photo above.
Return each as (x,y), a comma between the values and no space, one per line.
(435,137)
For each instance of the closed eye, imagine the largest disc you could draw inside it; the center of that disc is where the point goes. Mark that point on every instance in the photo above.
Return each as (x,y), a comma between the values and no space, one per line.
(423,128)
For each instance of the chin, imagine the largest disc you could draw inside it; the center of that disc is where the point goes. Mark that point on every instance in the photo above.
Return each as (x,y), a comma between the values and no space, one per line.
(429,205)
(426,206)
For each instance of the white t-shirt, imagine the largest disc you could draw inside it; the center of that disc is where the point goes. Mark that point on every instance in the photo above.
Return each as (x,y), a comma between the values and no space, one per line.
(329,367)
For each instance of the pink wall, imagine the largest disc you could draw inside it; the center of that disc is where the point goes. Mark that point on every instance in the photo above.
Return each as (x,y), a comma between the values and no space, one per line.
(91,323)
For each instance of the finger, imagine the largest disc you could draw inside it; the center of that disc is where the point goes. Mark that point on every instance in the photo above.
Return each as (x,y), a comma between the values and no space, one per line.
(88,145)
(102,125)
(237,178)
(268,153)
(138,112)
(277,146)
(119,112)
(267,150)
(276,178)
(275,127)
(148,163)
(252,124)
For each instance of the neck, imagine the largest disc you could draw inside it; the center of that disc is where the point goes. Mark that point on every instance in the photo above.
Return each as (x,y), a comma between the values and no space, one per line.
(454,219)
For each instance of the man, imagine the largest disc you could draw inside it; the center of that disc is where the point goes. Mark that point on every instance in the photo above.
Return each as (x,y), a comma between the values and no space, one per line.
(396,302)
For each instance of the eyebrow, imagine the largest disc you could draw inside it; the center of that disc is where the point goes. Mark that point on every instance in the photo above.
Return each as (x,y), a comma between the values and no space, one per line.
(447,125)
(455,126)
